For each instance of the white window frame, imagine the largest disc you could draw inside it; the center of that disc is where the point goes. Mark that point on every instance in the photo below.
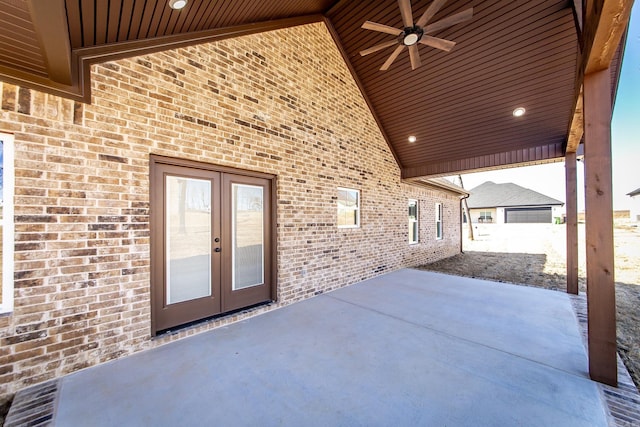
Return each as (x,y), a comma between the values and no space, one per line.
(357,208)
(413,221)
(483,216)
(6,305)
(439,229)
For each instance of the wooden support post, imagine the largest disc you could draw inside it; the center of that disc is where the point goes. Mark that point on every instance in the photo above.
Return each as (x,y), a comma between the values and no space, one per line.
(601,306)
(571,223)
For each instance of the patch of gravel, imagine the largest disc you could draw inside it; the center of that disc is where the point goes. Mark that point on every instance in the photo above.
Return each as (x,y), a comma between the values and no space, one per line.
(535,255)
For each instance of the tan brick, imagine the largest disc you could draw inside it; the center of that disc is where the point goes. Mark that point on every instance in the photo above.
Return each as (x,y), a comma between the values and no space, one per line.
(82,265)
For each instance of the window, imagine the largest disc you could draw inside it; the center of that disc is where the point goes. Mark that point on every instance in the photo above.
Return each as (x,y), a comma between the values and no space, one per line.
(348,208)
(413,221)
(438,221)
(485,216)
(6,222)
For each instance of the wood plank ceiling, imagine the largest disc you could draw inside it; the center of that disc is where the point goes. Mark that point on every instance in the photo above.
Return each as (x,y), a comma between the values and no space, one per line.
(458,104)
(98,22)
(19,46)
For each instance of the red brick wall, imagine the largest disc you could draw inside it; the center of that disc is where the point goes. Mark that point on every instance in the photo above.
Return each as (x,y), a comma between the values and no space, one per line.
(258,102)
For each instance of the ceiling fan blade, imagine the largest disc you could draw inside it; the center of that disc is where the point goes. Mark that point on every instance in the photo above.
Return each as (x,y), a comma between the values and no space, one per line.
(442,44)
(378,47)
(414,55)
(392,58)
(433,8)
(405,11)
(374,26)
(449,21)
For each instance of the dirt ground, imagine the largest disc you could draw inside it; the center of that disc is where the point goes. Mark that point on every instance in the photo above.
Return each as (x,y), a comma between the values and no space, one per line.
(535,255)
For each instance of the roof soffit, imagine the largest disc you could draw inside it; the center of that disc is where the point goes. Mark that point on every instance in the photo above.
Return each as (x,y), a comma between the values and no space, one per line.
(458,104)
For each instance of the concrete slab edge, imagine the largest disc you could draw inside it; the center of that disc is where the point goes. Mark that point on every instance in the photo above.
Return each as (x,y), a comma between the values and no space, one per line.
(35,406)
(623,402)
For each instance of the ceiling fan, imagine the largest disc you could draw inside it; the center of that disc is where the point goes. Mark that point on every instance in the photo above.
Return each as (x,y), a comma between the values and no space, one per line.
(415,32)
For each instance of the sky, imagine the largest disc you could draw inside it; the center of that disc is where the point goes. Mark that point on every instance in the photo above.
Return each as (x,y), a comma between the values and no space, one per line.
(549,179)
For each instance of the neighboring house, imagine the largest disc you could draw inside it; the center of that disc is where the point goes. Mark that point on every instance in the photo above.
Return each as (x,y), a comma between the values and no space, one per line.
(122,205)
(511,203)
(635,205)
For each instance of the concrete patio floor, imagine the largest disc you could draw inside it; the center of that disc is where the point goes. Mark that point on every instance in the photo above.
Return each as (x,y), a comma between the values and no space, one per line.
(410,348)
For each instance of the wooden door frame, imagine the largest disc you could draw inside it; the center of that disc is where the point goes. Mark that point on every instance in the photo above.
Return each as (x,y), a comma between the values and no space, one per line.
(185,311)
(237,299)
(156,220)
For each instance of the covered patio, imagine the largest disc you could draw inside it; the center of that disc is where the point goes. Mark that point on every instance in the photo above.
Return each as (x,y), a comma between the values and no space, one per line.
(406,348)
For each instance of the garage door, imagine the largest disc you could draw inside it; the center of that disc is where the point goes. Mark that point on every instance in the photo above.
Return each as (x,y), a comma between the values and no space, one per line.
(528,215)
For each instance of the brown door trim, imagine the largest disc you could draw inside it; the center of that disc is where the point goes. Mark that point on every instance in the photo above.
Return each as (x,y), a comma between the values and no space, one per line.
(233,300)
(165,316)
(157,159)
(157,224)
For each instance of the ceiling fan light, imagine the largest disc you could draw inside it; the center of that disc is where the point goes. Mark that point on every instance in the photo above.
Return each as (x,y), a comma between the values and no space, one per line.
(177,4)
(519,112)
(411,39)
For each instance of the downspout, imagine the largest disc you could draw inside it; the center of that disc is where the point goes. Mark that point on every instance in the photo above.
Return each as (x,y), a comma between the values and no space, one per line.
(462,199)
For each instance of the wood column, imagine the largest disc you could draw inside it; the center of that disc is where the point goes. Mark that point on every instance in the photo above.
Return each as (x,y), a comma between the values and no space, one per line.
(571,223)
(601,304)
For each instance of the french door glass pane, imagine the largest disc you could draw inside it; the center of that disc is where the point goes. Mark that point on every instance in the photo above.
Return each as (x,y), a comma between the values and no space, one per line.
(247,232)
(188,238)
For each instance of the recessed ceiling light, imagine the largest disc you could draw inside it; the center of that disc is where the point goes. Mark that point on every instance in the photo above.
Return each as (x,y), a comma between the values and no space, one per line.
(519,112)
(177,4)
(412,138)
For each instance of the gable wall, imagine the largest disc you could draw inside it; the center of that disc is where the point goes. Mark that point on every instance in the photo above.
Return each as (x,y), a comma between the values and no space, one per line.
(281,102)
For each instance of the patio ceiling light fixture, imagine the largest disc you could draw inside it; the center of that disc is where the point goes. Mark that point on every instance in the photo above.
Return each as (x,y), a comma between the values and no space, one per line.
(177,4)
(412,138)
(519,112)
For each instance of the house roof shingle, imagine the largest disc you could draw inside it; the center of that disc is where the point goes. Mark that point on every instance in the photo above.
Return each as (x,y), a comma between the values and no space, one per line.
(490,195)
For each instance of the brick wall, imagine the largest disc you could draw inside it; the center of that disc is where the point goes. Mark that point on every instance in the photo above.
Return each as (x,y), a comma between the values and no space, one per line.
(257,102)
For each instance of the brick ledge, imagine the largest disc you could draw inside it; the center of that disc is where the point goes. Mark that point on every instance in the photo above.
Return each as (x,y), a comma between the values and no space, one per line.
(623,402)
(34,406)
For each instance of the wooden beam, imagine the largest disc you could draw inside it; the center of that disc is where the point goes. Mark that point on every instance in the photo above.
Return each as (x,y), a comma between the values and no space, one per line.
(601,305)
(571,222)
(604,23)
(576,128)
(50,23)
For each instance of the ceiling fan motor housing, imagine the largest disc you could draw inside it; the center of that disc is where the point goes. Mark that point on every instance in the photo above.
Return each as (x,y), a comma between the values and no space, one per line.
(411,35)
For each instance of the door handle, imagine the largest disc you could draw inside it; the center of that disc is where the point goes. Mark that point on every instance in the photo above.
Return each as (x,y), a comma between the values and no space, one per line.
(217,250)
